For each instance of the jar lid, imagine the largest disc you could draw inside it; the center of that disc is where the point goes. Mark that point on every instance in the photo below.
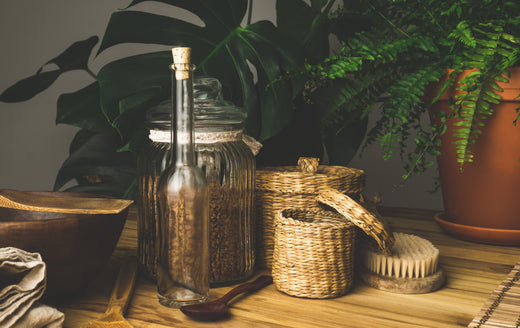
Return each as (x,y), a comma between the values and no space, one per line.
(206,88)
(210,110)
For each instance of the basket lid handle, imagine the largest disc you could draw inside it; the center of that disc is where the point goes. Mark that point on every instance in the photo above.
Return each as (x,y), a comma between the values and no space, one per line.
(308,164)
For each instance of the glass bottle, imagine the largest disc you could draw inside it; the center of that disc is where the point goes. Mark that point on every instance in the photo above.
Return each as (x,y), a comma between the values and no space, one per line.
(183,250)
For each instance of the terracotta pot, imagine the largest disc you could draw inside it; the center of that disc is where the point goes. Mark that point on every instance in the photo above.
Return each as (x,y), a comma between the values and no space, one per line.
(482,202)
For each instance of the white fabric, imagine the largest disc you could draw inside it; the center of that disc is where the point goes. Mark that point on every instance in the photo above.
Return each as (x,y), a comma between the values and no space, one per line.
(22,283)
(41,316)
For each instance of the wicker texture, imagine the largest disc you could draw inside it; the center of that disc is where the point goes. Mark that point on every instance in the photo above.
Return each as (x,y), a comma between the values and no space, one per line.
(282,187)
(308,164)
(313,253)
(358,215)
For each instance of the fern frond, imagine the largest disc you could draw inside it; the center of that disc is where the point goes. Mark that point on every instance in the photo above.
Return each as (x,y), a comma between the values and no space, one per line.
(493,53)
(463,34)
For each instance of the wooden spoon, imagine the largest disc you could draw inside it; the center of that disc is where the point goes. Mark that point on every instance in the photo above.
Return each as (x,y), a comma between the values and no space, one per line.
(60,202)
(119,299)
(219,308)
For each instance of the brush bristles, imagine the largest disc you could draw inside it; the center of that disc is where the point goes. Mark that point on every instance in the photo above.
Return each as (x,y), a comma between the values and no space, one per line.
(412,257)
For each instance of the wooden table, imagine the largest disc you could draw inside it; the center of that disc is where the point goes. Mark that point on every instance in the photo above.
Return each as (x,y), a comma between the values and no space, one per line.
(473,272)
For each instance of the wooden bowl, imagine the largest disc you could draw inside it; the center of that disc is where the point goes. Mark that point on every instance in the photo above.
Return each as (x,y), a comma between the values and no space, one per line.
(75,247)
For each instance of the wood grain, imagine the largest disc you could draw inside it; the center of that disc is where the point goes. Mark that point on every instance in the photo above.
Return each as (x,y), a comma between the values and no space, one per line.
(473,272)
(61,202)
(73,246)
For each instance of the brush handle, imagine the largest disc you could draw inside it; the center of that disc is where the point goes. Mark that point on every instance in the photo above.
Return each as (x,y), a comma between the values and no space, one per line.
(60,202)
(260,282)
(123,287)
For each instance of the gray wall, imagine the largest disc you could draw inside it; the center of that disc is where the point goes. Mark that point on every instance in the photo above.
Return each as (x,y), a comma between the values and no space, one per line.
(33,146)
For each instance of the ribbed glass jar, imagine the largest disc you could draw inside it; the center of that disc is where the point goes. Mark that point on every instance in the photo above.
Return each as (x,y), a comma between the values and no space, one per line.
(229,166)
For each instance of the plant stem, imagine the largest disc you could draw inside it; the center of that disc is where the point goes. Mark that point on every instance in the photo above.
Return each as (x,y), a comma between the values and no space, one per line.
(422,154)
(219,46)
(389,21)
(128,190)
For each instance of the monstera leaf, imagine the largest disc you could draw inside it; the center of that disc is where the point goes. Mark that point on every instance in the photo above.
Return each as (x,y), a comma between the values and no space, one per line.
(311,27)
(245,59)
(101,168)
(342,133)
(73,58)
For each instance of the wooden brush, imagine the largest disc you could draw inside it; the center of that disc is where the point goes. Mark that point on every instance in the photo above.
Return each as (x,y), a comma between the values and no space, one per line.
(411,268)
(402,263)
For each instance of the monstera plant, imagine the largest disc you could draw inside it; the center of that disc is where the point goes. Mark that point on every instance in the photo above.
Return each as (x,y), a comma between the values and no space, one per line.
(251,59)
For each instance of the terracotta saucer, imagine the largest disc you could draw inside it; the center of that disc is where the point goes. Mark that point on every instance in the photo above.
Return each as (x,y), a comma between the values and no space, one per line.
(479,234)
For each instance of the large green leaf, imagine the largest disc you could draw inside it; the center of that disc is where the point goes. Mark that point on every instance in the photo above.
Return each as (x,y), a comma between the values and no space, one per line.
(214,13)
(29,87)
(153,29)
(74,57)
(133,112)
(98,157)
(138,140)
(344,134)
(130,76)
(82,109)
(300,138)
(308,25)
(81,137)
(222,48)
(343,142)
(260,45)
(352,20)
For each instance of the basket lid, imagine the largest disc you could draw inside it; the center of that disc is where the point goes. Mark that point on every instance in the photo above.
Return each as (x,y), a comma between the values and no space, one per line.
(309,178)
(358,215)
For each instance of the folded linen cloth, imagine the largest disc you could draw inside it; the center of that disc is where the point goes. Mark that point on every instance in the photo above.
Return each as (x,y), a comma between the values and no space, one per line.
(22,283)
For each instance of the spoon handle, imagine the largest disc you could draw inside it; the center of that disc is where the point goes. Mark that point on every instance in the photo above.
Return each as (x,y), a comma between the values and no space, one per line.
(260,282)
(124,286)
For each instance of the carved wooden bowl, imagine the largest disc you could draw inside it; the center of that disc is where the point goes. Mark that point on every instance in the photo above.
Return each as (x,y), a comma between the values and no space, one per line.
(75,247)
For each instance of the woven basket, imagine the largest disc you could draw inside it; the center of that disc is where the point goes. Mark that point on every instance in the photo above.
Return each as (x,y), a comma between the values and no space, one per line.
(313,253)
(282,187)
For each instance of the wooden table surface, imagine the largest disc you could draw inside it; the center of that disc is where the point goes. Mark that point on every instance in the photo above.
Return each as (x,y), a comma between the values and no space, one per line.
(473,272)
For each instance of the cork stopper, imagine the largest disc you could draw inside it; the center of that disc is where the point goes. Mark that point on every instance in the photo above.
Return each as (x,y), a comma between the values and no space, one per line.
(181,62)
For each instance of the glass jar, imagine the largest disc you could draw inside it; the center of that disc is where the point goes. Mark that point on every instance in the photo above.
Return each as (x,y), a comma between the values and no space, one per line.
(229,166)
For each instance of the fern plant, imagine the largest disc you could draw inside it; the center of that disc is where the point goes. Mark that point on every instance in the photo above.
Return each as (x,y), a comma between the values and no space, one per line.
(410,44)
